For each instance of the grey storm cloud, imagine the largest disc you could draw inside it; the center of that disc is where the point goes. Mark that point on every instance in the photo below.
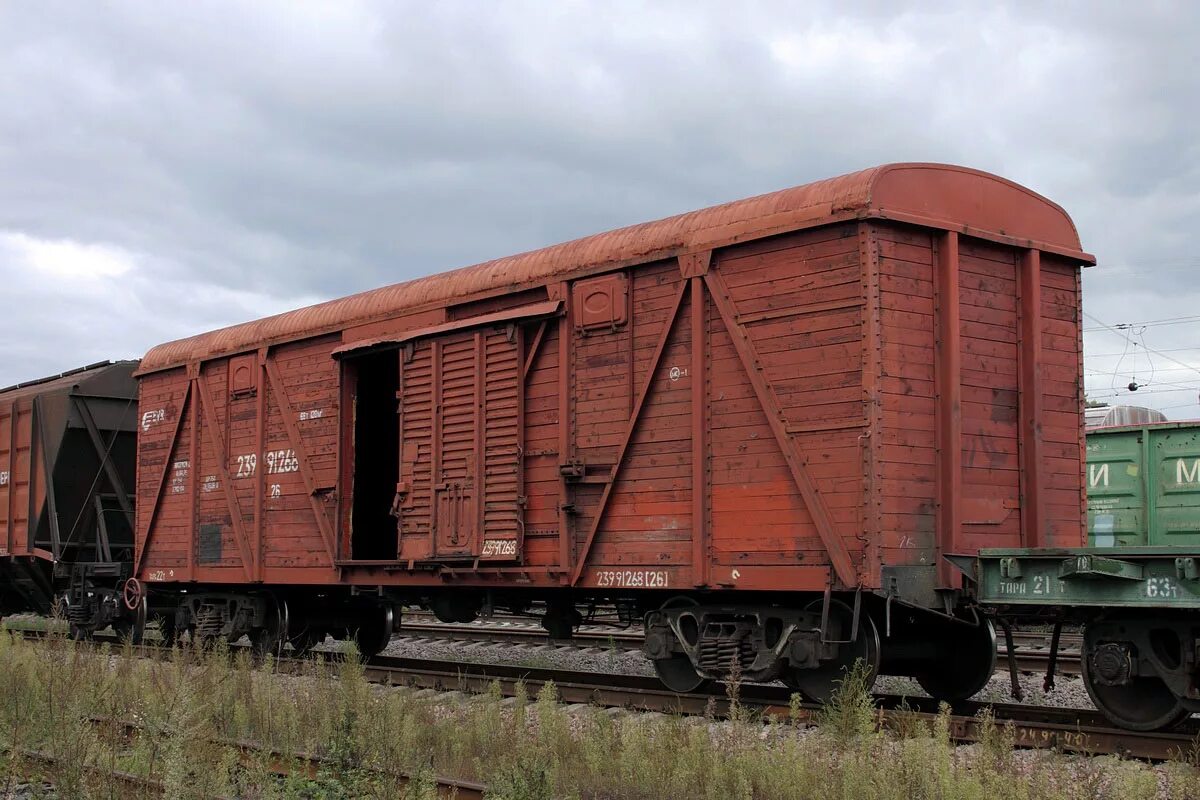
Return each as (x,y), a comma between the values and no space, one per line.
(170,168)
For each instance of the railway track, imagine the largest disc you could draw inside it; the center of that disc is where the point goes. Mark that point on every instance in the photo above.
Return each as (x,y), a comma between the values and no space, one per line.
(1045,727)
(282,765)
(1064,729)
(1032,649)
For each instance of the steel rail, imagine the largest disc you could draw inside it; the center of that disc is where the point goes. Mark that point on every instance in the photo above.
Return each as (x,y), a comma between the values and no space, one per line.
(1032,655)
(1065,729)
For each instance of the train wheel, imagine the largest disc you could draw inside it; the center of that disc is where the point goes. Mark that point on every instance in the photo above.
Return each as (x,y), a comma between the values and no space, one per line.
(820,683)
(305,641)
(375,632)
(1142,703)
(964,666)
(678,674)
(269,638)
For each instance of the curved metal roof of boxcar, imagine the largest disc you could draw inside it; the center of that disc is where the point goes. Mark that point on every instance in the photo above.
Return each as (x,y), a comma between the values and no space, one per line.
(936,195)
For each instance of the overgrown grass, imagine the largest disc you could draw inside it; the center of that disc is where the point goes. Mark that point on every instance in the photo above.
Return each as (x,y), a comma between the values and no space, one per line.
(189,707)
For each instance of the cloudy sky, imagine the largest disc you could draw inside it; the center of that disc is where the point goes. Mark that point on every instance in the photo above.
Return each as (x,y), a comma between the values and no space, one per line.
(170,168)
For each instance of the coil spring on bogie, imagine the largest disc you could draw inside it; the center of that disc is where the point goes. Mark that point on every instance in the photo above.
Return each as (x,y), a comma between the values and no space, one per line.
(209,621)
(79,614)
(722,643)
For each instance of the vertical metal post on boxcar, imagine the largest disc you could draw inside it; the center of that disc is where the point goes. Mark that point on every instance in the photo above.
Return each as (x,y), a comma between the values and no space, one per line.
(565,324)
(193,474)
(1029,397)
(435,440)
(872,374)
(1080,398)
(481,439)
(519,333)
(693,267)
(260,446)
(948,372)
(701,563)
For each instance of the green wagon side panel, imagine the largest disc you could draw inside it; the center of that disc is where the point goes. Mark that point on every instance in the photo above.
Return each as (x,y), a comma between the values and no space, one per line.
(1144,486)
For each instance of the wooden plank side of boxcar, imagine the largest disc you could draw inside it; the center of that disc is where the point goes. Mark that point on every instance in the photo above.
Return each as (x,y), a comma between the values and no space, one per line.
(1062,388)
(808,345)
(166,476)
(238,467)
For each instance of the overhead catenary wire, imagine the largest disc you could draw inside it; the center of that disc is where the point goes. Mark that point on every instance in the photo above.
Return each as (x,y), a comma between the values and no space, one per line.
(1117,332)
(1153,323)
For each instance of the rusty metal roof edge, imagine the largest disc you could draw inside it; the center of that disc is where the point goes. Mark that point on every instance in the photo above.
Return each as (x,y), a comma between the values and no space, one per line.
(821,202)
(646,257)
(875,212)
(544,308)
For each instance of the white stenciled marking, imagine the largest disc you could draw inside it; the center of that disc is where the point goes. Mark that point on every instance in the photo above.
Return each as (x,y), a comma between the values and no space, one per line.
(210,483)
(179,476)
(1161,587)
(276,491)
(4,478)
(282,461)
(246,464)
(1047,585)
(632,578)
(315,413)
(152,418)
(499,547)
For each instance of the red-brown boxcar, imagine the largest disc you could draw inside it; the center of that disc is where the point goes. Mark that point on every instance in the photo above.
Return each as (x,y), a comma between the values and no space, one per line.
(67,456)
(762,426)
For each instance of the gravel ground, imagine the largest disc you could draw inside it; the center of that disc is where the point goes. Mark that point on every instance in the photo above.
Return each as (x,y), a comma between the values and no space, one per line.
(593,658)
(1069,691)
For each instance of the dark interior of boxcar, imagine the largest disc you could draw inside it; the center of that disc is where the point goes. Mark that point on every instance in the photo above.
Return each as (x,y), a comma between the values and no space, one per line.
(376,455)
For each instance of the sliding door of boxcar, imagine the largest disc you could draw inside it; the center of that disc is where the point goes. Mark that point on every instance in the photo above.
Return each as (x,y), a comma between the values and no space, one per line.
(460,455)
